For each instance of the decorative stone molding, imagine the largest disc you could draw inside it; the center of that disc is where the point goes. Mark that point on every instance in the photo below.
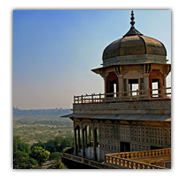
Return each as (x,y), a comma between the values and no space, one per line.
(137,107)
(118,70)
(104,74)
(166,69)
(135,59)
(147,68)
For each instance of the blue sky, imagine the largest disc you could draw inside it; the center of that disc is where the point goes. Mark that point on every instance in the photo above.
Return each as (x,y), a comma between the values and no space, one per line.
(55,50)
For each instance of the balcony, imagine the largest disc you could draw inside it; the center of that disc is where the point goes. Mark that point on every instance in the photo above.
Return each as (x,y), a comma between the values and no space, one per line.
(151,159)
(87,160)
(154,94)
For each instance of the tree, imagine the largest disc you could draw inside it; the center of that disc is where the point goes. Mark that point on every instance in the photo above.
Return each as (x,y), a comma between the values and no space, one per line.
(59,144)
(39,144)
(58,165)
(55,155)
(21,160)
(39,154)
(66,142)
(19,145)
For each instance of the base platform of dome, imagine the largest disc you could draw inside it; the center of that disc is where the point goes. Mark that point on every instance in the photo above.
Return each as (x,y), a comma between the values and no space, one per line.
(135,59)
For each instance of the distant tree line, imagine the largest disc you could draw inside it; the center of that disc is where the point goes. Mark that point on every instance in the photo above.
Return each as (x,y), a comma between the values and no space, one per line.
(35,112)
(33,157)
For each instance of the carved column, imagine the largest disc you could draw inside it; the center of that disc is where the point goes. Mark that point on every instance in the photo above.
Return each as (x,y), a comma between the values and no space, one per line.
(94,144)
(147,70)
(104,76)
(120,83)
(78,138)
(105,85)
(83,141)
(119,72)
(86,136)
(164,80)
(75,141)
(90,135)
(146,81)
(164,85)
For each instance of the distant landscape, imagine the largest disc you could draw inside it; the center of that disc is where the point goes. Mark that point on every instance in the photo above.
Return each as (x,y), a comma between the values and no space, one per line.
(33,129)
(41,124)
(43,112)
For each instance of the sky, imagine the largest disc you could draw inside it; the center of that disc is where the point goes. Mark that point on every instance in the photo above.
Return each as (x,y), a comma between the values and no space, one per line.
(55,50)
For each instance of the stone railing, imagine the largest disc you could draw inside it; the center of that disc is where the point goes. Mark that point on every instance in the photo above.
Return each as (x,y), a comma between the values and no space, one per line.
(143,154)
(161,93)
(129,164)
(127,159)
(123,160)
(83,160)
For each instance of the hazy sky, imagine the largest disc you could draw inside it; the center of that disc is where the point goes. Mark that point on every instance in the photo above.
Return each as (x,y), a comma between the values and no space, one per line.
(55,50)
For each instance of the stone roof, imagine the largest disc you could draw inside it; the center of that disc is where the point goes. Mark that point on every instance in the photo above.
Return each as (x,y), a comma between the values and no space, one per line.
(137,117)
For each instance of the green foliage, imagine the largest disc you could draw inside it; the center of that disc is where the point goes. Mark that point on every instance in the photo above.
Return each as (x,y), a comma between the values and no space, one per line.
(33,128)
(39,144)
(67,148)
(58,165)
(32,157)
(39,154)
(21,160)
(55,155)
(60,143)
(19,145)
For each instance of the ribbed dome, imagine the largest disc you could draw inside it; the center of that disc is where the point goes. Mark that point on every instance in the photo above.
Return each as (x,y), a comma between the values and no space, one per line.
(133,43)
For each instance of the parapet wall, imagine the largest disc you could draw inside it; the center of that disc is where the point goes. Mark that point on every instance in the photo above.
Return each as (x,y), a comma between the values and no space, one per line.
(126,107)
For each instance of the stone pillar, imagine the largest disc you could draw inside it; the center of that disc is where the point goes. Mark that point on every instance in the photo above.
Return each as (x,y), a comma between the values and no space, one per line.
(104,76)
(120,83)
(146,83)
(83,143)
(164,84)
(164,80)
(75,141)
(79,138)
(94,144)
(90,135)
(86,136)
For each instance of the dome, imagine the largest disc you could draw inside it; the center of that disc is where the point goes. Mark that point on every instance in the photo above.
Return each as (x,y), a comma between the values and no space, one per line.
(134,44)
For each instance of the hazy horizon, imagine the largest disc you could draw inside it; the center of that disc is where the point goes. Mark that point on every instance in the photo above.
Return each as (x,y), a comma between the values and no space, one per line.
(55,50)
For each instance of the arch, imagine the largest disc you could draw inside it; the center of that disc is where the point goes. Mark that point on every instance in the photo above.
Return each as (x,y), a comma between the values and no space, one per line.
(156,77)
(111,83)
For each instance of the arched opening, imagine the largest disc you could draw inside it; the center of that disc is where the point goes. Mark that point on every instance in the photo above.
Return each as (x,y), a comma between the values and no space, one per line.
(155,83)
(111,84)
(77,144)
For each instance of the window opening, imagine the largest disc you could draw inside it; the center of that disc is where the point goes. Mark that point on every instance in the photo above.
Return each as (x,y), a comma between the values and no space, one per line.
(155,87)
(114,89)
(133,86)
(124,146)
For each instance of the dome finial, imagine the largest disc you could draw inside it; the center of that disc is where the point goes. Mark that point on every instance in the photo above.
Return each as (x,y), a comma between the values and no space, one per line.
(132,30)
(132,19)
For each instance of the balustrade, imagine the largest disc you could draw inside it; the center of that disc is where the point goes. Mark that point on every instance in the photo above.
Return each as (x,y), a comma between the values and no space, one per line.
(161,93)
(127,159)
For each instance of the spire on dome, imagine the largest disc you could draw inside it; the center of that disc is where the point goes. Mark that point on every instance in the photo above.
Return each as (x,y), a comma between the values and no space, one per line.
(132,30)
(132,19)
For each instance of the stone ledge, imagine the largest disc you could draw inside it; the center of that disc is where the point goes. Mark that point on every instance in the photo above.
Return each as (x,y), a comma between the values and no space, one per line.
(135,107)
